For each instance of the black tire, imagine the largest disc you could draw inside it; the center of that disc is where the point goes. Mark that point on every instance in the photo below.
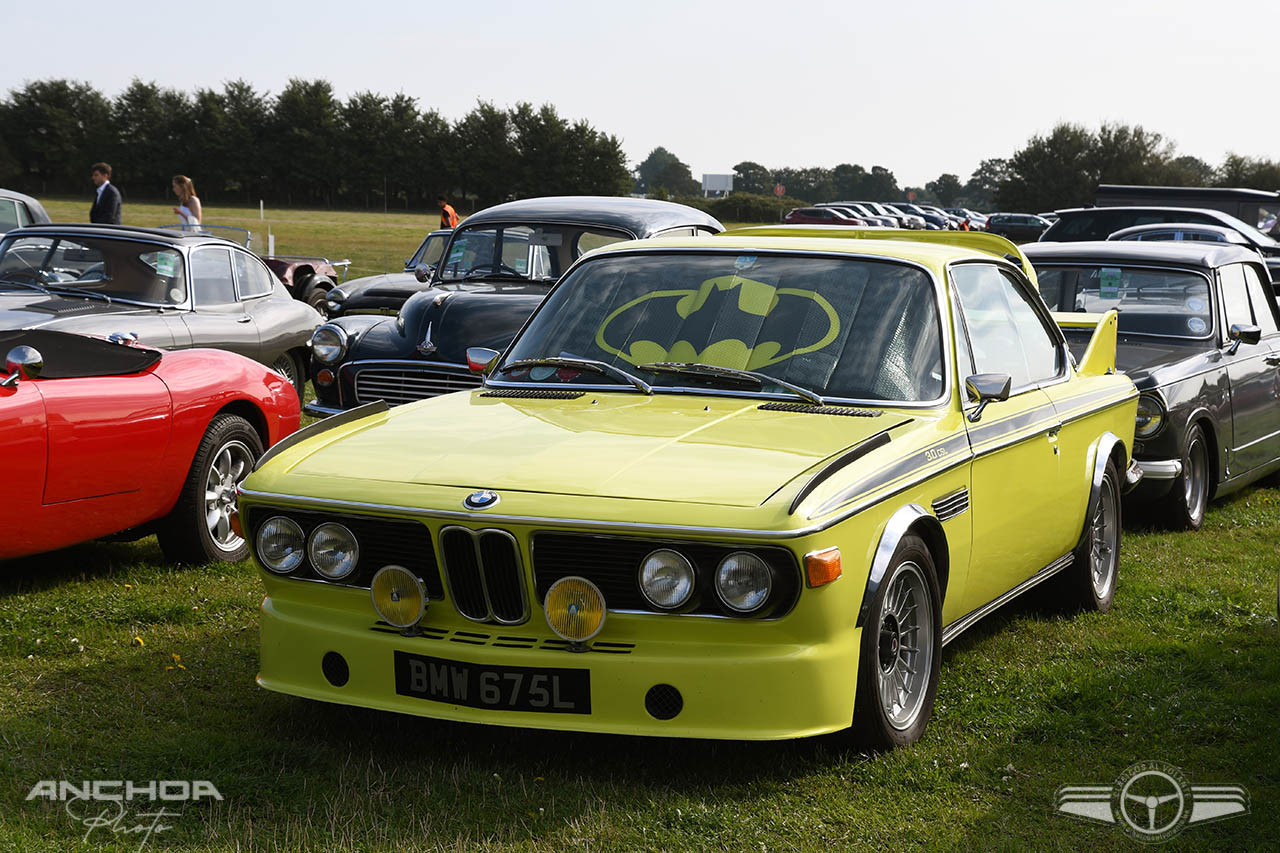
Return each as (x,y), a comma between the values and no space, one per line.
(1089,583)
(315,292)
(291,367)
(184,534)
(1185,505)
(909,586)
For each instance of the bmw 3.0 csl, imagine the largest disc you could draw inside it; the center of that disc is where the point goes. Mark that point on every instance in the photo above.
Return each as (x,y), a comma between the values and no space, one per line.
(737,487)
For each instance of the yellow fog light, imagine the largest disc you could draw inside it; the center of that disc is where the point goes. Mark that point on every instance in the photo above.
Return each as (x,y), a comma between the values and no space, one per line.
(575,609)
(398,596)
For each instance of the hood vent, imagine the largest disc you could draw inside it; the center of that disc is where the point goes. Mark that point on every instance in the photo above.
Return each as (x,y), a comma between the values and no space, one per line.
(807,409)
(533,394)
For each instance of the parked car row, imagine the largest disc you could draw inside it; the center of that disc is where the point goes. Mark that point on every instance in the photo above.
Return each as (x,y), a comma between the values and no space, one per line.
(669,443)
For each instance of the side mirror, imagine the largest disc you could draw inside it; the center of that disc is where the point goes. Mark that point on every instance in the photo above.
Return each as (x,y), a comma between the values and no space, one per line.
(22,362)
(984,388)
(1243,333)
(423,272)
(481,359)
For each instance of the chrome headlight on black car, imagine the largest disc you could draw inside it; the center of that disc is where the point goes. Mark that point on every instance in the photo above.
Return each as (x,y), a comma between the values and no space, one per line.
(1151,416)
(329,343)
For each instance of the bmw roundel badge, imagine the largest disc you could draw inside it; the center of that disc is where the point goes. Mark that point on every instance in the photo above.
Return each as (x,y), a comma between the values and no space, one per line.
(482,499)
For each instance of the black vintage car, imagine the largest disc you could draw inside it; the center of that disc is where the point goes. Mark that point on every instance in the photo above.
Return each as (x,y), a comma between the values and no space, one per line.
(384,294)
(169,289)
(1199,334)
(499,265)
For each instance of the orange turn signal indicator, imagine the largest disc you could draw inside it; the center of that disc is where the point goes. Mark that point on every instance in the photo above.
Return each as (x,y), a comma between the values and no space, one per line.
(236,527)
(822,567)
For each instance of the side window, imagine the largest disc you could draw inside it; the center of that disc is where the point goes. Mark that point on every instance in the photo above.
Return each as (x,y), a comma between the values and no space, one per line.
(1263,299)
(964,356)
(1005,332)
(211,277)
(253,277)
(10,218)
(1235,297)
(434,249)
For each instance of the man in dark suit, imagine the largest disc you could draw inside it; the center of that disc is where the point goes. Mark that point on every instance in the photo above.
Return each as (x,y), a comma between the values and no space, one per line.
(106,204)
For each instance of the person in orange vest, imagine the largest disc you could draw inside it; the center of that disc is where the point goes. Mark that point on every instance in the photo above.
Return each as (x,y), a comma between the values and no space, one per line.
(448,216)
(964,224)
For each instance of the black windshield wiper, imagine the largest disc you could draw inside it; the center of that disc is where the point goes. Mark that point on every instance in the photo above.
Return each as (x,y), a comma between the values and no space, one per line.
(693,368)
(491,274)
(62,289)
(582,364)
(29,285)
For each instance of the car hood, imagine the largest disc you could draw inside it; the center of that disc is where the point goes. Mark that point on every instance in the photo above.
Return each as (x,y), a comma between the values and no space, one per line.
(694,449)
(31,310)
(391,284)
(1149,361)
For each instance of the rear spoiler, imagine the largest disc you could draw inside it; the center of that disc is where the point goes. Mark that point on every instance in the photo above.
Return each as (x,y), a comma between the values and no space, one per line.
(992,244)
(1099,357)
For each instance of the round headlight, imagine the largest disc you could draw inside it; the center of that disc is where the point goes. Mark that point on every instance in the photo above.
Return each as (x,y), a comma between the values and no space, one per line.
(398,596)
(666,579)
(280,544)
(337,295)
(1151,416)
(333,550)
(575,609)
(743,581)
(329,343)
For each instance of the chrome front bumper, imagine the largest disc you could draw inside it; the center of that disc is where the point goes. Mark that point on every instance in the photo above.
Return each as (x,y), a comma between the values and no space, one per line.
(1133,476)
(1160,469)
(318,411)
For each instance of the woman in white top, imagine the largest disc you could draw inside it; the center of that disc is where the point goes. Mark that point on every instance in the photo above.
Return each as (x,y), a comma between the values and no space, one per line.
(188,208)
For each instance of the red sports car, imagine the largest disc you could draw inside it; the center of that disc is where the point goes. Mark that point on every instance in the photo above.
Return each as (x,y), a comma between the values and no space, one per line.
(100,438)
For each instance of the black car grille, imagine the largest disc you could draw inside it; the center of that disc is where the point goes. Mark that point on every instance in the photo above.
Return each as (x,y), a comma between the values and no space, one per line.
(612,563)
(484,572)
(399,385)
(383,542)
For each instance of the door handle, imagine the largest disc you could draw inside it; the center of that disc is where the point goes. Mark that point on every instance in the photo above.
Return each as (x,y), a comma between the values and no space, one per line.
(244,319)
(1052,432)
(1273,360)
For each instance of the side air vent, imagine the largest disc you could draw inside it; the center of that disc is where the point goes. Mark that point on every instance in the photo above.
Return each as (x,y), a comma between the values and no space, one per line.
(949,506)
(806,409)
(533,394)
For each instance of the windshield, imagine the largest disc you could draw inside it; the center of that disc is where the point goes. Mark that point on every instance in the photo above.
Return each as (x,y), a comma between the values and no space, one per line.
(1170,303)
(119,269)
(534,252)
(840,327)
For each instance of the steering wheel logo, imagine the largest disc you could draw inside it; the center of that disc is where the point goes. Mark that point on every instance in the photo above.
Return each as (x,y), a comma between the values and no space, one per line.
(1151,799)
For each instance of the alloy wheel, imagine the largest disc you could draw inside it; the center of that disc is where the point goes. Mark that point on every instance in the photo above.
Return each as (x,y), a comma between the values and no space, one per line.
(231,465)
(905,647)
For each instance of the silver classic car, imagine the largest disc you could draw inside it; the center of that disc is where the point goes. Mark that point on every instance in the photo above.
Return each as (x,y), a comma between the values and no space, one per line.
(165,289)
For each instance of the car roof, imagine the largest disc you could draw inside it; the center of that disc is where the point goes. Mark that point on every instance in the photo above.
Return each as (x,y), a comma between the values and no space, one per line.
(134,232)
(639,216)
(932,254)
(1231,233)
(1181,253)
(14,194)
(1116,208)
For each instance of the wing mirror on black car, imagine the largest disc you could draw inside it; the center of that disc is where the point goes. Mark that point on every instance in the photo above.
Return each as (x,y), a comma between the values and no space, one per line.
(984,388)
(1243,333)
(423,272)
(22,362)
(481,359)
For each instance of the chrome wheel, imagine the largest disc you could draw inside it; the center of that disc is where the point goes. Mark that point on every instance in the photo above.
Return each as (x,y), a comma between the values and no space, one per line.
(905,646)
(231,465)
(1195,479)
(1102,541)
(285,367)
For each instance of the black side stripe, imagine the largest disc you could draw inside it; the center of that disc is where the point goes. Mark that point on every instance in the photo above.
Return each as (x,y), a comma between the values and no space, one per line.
(858,451)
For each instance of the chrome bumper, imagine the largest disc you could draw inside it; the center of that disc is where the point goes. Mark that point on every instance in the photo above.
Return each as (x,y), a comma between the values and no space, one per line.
(1133,476)
(318,411)
(1161,469)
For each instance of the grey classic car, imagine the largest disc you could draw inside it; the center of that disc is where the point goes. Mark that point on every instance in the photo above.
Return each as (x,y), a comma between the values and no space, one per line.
(168,289)
(17,210)
(1199,334)
(384,294)
(498,266)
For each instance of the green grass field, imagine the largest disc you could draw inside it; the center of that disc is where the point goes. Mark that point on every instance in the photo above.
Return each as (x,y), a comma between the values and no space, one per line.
(114,665)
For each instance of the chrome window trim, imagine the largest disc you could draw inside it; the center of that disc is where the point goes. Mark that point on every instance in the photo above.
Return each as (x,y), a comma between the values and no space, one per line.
(475,534)
(1213,296)
(607,252)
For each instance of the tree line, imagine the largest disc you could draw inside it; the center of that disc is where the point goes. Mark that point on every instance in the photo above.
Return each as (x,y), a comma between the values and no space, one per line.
(301,146)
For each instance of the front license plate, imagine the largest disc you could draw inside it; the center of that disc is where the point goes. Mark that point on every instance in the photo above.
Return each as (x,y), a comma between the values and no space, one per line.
(499,688)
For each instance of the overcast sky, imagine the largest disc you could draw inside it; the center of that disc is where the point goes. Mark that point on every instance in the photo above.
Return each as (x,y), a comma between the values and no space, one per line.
(919,87)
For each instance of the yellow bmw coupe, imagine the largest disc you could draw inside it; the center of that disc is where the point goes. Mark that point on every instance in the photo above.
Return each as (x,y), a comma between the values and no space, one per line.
(743,486)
